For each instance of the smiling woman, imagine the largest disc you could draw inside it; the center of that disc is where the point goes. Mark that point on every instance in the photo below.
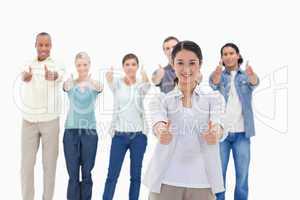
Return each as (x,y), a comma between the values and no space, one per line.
(80,136)
(127,126)
(200,175)
(264,31)
(187,70)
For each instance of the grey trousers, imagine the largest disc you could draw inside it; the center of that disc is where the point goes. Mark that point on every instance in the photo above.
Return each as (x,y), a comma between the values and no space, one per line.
(169,192)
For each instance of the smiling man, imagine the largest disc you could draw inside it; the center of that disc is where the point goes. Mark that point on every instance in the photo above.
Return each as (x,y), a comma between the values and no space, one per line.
(164,77)
(41,109)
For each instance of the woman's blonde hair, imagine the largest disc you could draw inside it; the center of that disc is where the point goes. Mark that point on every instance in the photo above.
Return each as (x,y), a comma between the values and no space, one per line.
(83,55)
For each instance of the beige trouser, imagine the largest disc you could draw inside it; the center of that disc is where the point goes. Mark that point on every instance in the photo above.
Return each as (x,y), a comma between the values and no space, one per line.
(48,132)
(169,192)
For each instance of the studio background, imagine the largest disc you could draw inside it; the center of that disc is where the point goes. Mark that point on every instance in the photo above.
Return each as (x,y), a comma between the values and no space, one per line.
(265,31)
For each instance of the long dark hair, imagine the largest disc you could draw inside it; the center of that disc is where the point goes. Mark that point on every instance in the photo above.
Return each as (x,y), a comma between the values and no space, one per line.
(189,46)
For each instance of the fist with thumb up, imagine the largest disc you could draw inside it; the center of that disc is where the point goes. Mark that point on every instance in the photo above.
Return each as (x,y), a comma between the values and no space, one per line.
(109,75)
(27,75)
(50,75)
(213,133)
(216,78)
(162,131)
(144,75)
(68,84)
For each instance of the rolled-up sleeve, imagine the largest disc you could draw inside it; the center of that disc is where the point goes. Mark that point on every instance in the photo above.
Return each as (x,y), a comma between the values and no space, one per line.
(217,111)
(158,110)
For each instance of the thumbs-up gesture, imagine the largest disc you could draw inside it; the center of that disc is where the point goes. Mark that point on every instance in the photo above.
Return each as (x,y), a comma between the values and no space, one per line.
(250,73)
(160,72)
(69,83)
(162,131)
(158,75)
(50,75)
(109,75)
(218,73)
(249,70)
(213,134)
(27,75)
(144,74)
(95,85)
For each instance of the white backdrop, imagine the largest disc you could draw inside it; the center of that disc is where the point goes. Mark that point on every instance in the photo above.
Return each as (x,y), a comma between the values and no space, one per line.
(265,31)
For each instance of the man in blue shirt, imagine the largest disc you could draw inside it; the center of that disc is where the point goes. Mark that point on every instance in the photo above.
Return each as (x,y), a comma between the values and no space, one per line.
(236,85)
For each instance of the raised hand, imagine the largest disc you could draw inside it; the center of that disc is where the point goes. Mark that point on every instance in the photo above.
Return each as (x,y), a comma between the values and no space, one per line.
(158,75)
(218,73)
(27,76)
(109,75)
(50,75)
(213,134)
(95,85)
(69,83)
(163,133)
(144,74)
(249,70)
(160,71)
(250,73)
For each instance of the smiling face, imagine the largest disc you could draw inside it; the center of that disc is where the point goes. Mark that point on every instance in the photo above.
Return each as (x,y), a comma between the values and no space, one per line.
(168,47)
(187,66)
(82,67)
(230,58)
(43,47)
(130,67)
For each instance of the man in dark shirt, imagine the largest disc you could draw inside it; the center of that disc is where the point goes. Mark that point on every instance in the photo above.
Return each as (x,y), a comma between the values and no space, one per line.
(164,77)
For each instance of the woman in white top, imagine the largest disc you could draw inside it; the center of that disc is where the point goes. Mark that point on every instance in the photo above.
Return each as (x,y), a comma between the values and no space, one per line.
(187,123)
(128,126)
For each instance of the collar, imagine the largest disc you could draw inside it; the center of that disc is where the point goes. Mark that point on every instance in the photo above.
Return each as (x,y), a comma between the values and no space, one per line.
(176,92)
(239,70)
(46,60)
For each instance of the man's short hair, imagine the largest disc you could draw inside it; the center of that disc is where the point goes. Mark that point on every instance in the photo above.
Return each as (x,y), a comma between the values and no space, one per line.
(170,38)
(42,34)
